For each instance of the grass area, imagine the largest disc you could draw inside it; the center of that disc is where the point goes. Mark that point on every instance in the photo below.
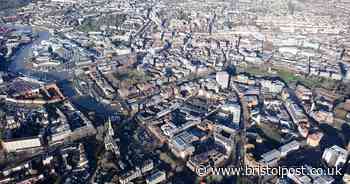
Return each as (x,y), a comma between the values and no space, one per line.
(290,77)
(94,24)
(132,76)
(311,81)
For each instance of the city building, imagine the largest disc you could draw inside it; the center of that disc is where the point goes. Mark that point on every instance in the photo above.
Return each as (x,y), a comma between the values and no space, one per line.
(222,78)
(335,156)
(287,148)
(235,111)
(21,144)
(271,158)
(156,177)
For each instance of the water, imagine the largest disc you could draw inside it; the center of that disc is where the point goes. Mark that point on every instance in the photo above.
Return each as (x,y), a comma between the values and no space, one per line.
(17,65)
(23,54)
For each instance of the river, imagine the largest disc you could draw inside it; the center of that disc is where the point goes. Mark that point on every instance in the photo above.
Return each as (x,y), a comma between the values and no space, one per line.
(17,64)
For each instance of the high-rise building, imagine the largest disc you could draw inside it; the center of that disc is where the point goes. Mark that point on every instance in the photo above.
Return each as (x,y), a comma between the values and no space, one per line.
(223,79)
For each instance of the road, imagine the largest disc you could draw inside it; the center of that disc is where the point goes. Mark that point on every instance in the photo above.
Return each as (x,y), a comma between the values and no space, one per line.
(240,159)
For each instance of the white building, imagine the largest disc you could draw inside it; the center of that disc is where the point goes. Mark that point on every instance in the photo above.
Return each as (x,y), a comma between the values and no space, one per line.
(181,148)
(21,144)
(335,156)
(222,78)
(235,110)
(272,86)
(156,178)
(1,80)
